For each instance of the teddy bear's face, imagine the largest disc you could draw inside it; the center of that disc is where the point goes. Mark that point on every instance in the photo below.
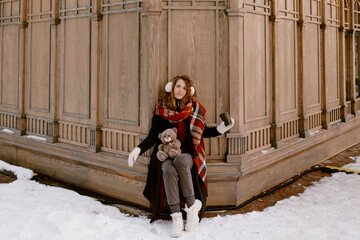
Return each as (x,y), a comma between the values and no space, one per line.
(168,135)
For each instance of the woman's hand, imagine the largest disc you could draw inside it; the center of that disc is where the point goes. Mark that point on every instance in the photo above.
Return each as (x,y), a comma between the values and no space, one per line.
(133,156)
(222,128)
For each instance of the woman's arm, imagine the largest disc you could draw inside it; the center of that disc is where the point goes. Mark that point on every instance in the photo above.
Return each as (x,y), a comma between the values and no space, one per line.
(152,138)
(216,131)
(147,143)
(210,132)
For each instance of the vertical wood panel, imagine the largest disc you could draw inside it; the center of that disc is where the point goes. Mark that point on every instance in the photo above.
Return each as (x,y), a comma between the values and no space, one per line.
(332,65)
(39,53)
(76,66)
(122,67)
(82,3)
(10,64)
(9,52)
(312,65)
(70,4)
(224,88)
(287,66)
(192,37)
(35,6)
(255,65)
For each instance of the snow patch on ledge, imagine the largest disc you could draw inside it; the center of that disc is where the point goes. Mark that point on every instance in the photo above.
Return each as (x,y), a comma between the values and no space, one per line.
(21,173)
(313,133)
(267,150)
(6,130)
(36,137)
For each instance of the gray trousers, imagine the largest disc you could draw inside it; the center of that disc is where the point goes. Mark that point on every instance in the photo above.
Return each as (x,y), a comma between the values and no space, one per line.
(174,171)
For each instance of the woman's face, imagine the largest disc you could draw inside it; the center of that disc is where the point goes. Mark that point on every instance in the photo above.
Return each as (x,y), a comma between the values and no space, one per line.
(180,89)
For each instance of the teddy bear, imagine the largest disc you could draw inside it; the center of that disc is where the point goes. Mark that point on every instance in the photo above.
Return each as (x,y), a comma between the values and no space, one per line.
(170,146)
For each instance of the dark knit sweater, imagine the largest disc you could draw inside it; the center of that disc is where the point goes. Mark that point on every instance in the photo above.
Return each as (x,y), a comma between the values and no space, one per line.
(181,135)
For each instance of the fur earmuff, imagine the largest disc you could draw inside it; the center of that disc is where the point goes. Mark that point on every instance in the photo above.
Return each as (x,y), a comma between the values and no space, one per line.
(168,88)
(192,91)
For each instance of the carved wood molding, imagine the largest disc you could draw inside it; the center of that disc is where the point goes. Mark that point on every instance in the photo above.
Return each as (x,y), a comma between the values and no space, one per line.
(8,120)
(195,4)
(73,133)
(236,143)
(95,139)
(258,7)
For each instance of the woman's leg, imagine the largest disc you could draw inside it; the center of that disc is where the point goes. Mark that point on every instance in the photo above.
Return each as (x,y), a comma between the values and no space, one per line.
(183,164)
(171,178)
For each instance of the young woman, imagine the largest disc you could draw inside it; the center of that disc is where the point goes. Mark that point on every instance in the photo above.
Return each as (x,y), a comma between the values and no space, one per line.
(178,107)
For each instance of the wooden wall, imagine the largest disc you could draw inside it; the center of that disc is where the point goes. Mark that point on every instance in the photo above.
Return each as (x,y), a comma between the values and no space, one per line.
(188,31)
(9,52)
(312,63)
(88,72)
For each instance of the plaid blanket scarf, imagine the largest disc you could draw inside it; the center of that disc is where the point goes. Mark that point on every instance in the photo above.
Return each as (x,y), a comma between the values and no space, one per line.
(197,125)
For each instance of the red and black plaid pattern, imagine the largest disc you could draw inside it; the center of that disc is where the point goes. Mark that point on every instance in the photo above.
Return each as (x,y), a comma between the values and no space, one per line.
(171,115)
(197,125)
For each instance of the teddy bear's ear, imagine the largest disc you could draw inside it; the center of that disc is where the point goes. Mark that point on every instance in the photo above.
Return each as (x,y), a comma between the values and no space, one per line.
(175,130)
(160,135)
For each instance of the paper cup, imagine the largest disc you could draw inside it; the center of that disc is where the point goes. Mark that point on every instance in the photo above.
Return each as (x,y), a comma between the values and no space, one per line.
(226,118)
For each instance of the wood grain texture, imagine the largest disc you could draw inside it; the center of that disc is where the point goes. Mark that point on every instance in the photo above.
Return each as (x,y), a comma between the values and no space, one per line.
(9,62)
(312,65)
(39,44)
(193,42)
(122,87)
(76,66)
(332,67)
(255,68)
(287,66)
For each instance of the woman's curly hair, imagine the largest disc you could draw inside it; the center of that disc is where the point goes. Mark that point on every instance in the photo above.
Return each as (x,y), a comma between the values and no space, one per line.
(168,99)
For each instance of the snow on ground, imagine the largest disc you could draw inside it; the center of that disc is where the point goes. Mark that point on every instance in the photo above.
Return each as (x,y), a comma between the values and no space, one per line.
(328,210)
(21,173)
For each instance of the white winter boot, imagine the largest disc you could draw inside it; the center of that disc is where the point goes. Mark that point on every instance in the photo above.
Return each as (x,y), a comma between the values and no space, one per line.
(177,225)
(192,216)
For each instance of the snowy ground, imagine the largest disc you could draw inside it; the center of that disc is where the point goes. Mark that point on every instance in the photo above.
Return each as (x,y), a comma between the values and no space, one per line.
(28,210)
